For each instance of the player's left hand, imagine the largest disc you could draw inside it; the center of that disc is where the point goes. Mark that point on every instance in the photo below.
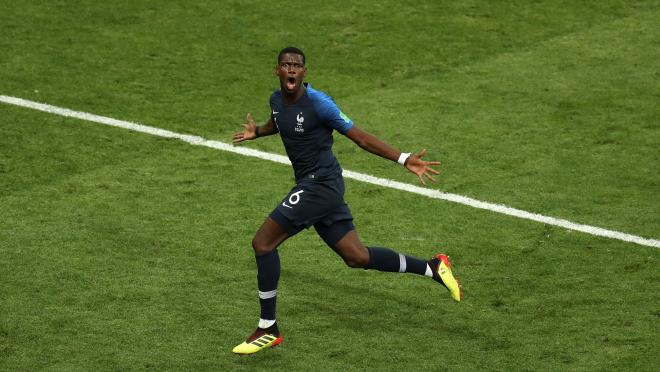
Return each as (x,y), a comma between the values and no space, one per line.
(421,167)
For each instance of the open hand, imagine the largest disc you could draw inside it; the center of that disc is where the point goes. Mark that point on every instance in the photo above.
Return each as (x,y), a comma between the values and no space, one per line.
(421,167)
(249,131)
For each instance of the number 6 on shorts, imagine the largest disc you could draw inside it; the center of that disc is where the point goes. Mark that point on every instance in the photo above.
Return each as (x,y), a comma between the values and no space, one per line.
(293,199)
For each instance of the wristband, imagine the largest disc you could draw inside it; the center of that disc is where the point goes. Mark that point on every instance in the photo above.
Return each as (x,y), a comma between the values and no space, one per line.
(403,158)
(256,132)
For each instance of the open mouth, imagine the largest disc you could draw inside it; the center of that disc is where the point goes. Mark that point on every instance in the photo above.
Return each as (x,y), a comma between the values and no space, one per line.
(291,83)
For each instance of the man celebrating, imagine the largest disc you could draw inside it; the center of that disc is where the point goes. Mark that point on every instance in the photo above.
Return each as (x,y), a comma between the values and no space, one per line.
(305,118)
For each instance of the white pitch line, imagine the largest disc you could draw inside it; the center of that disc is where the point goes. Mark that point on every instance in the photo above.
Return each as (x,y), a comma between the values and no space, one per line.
(435,194)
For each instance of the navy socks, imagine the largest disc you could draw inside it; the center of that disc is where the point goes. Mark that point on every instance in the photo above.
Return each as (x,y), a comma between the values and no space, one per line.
(268,274)
(383,259)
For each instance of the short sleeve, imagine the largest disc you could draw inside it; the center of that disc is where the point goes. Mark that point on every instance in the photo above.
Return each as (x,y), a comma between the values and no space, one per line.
(330,114)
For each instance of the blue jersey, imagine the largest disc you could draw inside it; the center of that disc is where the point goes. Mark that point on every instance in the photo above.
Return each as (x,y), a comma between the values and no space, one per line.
(306,130)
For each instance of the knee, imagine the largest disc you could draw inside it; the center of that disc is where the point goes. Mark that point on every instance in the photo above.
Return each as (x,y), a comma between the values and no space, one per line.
(260,246)
(357,261)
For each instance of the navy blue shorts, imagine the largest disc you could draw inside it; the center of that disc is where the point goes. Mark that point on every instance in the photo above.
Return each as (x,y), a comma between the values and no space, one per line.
(315,203)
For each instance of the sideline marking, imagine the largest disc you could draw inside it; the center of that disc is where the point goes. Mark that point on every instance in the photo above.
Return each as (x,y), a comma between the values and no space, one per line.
(435,194)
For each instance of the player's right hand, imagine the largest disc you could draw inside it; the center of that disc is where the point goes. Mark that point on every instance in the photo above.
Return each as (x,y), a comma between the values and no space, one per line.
(249,131)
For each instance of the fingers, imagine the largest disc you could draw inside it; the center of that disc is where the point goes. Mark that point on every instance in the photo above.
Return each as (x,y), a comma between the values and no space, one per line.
(418,161)
(238,137)
(243,136)
(421,176)
(419,157)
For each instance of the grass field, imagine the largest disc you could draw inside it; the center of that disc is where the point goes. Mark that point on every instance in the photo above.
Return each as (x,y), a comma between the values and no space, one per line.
(124,251)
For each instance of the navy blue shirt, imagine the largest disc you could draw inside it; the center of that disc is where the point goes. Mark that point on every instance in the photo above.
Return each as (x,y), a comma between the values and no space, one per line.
(306,130)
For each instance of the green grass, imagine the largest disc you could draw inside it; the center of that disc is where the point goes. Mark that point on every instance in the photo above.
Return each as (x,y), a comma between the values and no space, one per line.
(123,251)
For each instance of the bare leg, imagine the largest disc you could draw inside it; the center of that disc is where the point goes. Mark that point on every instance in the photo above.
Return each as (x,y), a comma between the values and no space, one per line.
(355,254)
(352,251)
(269,236)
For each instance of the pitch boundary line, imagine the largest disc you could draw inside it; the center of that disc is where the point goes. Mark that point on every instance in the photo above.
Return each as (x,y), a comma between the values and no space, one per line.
(383,182)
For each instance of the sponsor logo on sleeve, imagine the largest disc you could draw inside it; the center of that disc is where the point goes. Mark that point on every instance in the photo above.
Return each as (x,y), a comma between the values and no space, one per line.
(345,117)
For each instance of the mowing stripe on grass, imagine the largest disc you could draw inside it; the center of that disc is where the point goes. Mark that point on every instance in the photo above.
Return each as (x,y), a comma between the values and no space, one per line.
(435,194)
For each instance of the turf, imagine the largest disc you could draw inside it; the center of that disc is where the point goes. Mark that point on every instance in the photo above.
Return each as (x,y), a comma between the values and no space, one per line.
(122,251)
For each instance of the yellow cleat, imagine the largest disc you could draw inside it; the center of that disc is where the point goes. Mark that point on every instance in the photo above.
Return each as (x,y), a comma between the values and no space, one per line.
(443,275)
(259,340)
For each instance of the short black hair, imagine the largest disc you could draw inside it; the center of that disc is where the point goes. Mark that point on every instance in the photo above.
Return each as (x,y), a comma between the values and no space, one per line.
(292,50)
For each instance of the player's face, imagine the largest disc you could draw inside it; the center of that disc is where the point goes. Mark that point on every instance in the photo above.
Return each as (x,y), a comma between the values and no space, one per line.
(292,71)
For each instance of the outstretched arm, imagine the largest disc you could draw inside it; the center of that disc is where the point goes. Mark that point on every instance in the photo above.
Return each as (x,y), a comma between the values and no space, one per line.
(413,163)
(252,131)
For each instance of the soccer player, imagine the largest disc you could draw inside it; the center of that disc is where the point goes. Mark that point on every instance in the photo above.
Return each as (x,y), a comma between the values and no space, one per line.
(305,119)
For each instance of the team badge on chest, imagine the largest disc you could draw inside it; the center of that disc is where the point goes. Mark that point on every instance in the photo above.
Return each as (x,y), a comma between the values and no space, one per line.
(299,125)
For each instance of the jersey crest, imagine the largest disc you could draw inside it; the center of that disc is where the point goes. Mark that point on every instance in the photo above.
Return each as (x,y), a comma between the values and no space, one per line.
(299,123)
